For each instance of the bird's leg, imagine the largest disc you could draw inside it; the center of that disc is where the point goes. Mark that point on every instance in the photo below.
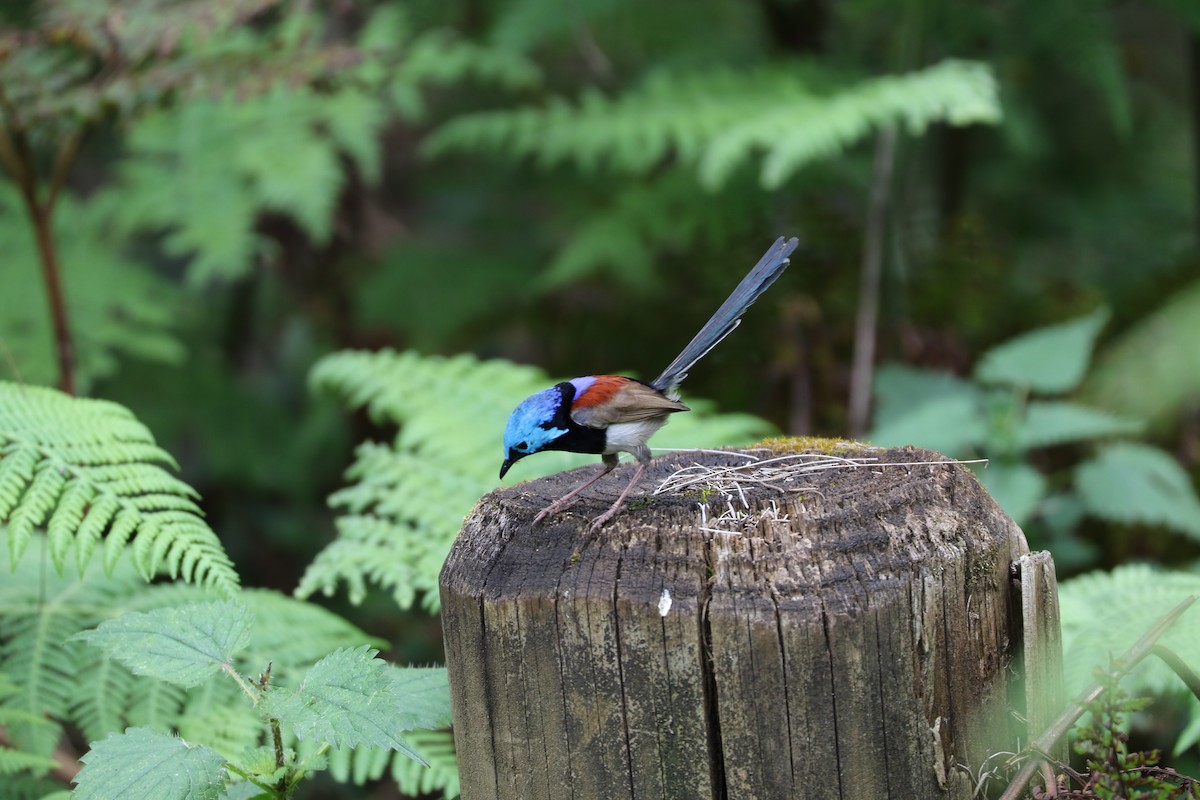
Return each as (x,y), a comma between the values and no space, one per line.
(599,521)
(610,463)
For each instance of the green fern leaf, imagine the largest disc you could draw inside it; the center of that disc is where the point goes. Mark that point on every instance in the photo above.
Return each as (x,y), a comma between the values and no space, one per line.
(1103,613)
(182,645)
(1141,485)
(279,150)
(436,749)
(14,761)
(409,499)
(63,458)
(1050,360)
(145,763)
(712,123)
(805,128)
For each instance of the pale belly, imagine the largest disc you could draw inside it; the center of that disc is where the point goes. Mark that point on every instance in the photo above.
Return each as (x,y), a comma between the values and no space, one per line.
(630,437)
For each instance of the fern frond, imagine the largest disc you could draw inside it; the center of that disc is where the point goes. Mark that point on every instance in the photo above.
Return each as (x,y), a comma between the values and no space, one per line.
(436,748)
(409,498)
(1103,613)
(63,458)
(713,123)
(624,239)
(13,761)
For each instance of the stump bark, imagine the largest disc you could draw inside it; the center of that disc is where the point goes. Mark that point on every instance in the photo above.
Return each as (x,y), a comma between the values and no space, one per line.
(848,633)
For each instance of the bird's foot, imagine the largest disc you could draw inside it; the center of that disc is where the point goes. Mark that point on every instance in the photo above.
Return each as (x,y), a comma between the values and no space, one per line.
(552,509)
(600,521)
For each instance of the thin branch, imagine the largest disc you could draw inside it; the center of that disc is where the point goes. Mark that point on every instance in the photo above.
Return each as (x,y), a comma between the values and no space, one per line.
(872,270)
(1185,673)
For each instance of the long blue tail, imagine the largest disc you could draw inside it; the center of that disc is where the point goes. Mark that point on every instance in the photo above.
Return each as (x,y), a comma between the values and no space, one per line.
(722,323)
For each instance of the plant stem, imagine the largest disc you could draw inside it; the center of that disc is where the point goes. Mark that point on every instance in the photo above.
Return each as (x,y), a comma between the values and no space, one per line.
(868,293)
(64,344)
(245,685)
(17,157)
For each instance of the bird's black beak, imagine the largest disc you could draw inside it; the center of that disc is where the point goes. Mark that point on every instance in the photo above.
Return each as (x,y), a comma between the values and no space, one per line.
(508,462)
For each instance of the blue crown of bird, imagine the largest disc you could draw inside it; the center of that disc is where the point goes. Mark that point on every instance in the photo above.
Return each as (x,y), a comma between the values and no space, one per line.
(611,414)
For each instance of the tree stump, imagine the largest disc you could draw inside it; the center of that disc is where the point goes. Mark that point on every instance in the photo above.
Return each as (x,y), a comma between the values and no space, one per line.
(843,632)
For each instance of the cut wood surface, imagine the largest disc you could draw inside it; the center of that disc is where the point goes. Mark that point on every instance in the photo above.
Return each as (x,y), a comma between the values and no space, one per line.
(848,632)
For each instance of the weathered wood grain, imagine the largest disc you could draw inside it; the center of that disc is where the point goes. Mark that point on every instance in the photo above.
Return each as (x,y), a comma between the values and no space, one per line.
(857,643)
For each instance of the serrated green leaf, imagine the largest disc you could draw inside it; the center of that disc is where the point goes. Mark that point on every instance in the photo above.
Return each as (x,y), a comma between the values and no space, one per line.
(952,424)
(350,698)
(144,763)
(1139,484)
(1018,488)
(1049,360)
(181,645)
(1048,422)
(1159,351)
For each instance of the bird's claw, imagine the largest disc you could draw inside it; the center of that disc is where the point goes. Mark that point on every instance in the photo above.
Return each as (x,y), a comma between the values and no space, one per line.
(600,521)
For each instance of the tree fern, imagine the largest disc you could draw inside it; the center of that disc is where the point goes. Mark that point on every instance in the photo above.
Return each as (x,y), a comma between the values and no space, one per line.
(409,497)
(89,471)
(713,123)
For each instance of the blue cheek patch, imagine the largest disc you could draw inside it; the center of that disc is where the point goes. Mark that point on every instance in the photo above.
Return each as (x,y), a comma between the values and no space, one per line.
(527,423)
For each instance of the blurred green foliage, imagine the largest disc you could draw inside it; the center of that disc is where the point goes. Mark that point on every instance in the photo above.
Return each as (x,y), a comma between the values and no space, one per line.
(238,188)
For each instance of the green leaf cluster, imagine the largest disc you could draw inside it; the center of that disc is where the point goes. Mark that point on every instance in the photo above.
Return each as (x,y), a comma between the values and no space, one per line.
(409,497)
(61,681)
(1009,408)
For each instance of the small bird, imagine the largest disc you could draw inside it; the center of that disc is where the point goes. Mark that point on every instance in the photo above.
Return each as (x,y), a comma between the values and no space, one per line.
(610,414)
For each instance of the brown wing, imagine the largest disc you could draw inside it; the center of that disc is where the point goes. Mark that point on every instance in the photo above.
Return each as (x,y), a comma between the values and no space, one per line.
(614,400)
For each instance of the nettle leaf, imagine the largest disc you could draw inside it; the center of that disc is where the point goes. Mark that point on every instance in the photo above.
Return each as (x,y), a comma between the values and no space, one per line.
(1056,422)
(1159,351)
(1049,360)
(1018,488)
(350,698)
(145,763)
(1139,484)
(182,645)
(952,424)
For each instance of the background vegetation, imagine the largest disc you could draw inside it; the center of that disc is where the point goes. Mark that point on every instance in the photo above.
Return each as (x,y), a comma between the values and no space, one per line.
(210,202)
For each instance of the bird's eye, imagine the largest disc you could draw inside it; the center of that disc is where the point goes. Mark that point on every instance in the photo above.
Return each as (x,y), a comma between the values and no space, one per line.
(522,446)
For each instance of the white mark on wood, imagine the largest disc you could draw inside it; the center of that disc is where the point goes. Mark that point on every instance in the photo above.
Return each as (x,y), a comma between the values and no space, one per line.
(664,602)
